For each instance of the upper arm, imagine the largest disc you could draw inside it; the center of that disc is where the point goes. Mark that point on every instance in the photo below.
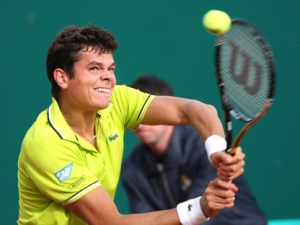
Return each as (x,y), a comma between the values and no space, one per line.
(168,110)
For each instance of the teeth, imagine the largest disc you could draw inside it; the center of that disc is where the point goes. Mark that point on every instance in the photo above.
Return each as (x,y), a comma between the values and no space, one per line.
(102,90)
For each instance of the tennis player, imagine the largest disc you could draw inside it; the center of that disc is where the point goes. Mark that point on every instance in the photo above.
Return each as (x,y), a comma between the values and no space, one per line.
(70,159)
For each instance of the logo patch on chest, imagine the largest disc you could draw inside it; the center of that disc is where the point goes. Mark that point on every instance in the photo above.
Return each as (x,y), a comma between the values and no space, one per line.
(113,137)
(64,173)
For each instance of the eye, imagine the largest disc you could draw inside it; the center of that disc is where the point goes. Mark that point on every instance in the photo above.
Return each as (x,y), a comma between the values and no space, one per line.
(94,68)
(112,69)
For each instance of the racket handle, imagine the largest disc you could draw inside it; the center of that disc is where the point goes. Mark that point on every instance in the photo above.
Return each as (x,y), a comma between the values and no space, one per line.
(231,151)
(241,134)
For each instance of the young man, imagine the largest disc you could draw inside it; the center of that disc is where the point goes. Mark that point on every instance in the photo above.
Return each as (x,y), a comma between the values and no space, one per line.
(170,166)
(70,159)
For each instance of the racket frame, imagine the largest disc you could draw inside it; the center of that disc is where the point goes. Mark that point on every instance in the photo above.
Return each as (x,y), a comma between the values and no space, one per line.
(228,109)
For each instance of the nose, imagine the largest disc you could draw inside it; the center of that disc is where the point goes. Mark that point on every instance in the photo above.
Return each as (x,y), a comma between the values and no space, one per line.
(107,75)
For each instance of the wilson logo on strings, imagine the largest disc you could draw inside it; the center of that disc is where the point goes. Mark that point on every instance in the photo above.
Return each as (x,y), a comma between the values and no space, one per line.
(246,64)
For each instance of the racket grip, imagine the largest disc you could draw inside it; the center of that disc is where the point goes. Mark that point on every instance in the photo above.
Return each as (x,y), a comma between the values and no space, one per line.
(231,151)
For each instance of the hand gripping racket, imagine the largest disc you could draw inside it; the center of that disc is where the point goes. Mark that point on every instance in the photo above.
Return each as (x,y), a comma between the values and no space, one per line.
(246,77)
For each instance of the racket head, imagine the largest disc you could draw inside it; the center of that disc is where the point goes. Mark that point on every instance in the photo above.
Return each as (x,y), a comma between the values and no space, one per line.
(245,70)
(246,76)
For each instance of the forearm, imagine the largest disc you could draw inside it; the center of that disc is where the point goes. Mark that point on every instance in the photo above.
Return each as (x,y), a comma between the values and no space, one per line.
(97,208)
(204,118)
(186,213)
(164,217)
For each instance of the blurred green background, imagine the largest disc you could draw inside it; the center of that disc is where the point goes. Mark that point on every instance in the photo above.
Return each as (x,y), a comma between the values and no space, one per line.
(164,38)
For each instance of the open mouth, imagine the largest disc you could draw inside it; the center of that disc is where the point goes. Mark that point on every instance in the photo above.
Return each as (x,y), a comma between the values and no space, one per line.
(106,90)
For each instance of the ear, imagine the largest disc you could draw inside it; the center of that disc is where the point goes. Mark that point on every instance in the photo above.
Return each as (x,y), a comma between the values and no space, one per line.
(61,78)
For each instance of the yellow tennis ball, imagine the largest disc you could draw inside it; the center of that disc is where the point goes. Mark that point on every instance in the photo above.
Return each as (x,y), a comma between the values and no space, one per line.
(216,22)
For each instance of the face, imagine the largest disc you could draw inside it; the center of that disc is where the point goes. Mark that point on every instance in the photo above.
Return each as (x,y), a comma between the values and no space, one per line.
(156,137)
(93,81)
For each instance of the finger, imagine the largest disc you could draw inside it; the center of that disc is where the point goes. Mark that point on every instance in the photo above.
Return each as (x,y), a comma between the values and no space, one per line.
(234,188)
(219,157)
(228,163)
(220,188)
(231,170)
(220,205)
(216,202)
(238,157)
(229,175)
(229,178)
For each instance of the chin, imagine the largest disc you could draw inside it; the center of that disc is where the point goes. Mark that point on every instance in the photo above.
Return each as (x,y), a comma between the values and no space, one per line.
(103,107)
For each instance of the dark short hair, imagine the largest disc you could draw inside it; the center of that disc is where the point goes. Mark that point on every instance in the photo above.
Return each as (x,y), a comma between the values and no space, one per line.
(64,49)
(152,84)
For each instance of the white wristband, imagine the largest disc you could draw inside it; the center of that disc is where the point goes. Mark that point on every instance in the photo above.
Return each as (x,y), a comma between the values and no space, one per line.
(190,212)
(214,144)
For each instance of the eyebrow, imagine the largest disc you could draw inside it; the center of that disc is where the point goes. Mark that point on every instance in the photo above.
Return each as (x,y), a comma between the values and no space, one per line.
(100,64)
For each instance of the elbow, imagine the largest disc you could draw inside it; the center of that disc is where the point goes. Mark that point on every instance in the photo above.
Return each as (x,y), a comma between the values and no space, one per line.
(212,109)
(200,111)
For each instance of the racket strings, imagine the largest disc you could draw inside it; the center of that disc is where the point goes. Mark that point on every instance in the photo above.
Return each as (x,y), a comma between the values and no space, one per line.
(245,71)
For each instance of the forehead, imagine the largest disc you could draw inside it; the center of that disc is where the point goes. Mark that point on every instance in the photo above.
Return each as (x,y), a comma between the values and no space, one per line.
(89,55)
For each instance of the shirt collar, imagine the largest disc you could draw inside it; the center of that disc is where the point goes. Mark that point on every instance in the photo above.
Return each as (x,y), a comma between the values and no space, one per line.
(60,125)
(58,122)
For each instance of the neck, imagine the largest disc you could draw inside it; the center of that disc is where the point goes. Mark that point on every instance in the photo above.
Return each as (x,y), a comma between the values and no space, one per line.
(82,123)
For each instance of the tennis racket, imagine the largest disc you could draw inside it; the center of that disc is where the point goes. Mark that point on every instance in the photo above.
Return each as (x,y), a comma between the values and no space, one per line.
(246,77)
